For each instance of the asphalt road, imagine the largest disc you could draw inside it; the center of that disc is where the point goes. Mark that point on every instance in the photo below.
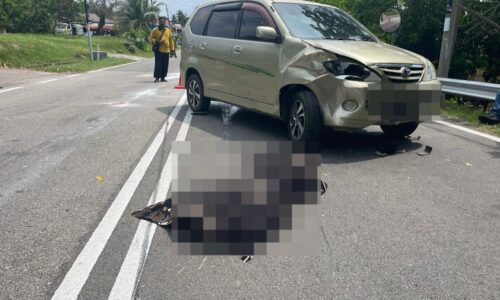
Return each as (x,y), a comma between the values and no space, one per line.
(79,153)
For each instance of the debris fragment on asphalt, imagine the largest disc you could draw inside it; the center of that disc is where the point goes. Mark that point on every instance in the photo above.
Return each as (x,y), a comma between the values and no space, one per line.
(413,138)
(160,213)
(99,178)
(427,151)
(387,149)
(468,164)
(246,258)
(324,187)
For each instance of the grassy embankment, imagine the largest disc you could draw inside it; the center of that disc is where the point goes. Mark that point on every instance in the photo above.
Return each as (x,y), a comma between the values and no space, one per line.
(54,53)
(468,115)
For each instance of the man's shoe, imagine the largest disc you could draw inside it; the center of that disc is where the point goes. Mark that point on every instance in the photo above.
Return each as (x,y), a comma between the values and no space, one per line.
(156,80)
(489,119)
(163,80)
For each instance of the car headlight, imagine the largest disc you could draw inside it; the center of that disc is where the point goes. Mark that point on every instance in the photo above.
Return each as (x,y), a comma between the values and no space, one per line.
(430,71)
(348,69)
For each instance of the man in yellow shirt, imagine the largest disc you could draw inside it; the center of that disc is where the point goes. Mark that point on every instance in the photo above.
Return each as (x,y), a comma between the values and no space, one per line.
(163,46)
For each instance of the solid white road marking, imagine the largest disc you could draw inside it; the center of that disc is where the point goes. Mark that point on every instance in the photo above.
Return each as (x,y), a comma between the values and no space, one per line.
(76,277)
(130,272)
(109,68)
(74,75)
(488,136)
(47,81)
(170,76)
(11,89)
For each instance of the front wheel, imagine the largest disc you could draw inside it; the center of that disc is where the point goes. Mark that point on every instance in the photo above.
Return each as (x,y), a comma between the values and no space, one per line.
(195,94)
(399,131)
(304,117)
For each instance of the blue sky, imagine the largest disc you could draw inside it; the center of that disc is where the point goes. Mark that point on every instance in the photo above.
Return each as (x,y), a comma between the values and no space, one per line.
(184,5)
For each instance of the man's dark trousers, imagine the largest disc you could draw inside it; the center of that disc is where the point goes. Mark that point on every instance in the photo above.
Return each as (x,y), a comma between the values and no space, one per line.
(161,65)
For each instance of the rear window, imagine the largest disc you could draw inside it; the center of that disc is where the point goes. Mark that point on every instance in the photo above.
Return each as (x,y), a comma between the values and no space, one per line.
(223,23)
(200,20)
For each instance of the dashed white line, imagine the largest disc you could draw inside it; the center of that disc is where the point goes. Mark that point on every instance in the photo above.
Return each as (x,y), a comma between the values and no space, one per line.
(11,89)
(47,81)
(130,272)
(76,277)
(475,132)
(109,68)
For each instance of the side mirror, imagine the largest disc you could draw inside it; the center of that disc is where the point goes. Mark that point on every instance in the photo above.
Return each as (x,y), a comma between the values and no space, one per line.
(266,33)
(390,20)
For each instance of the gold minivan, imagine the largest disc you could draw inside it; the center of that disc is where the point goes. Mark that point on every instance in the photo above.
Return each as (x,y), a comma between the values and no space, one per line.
(311,65)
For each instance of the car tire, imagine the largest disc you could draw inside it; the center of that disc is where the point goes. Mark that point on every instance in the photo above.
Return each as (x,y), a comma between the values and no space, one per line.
(304,120)
(195,94)
(399,131)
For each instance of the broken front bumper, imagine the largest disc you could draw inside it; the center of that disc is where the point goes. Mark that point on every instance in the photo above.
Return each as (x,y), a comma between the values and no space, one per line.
(377,102)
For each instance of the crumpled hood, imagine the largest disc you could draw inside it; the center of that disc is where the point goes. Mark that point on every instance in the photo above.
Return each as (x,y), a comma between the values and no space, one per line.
(369,53)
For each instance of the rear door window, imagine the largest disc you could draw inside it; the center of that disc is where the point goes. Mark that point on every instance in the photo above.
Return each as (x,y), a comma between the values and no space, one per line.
(254,15)
(223,24)
(200,20)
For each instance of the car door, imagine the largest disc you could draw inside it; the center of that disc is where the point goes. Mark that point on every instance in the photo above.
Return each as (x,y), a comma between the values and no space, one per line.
(255,62)
(215,47)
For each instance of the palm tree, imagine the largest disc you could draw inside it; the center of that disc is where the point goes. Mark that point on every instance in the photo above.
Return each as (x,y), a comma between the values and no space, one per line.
(138,13)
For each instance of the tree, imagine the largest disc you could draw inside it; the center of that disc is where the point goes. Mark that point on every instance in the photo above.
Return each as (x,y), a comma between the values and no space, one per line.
(103,9)
(66,11)
(180,18)
(137,13)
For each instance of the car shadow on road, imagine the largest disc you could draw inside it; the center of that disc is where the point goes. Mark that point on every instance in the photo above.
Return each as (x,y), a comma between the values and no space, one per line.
(338,147)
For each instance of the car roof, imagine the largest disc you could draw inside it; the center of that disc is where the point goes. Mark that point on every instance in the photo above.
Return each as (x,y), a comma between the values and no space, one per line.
(262,2)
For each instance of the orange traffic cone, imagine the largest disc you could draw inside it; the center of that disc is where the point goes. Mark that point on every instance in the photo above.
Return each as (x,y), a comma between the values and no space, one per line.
(179,86)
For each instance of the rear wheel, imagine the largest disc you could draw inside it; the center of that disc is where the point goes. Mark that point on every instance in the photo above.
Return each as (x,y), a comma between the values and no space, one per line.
(195,96)
(399,131)
(304,117)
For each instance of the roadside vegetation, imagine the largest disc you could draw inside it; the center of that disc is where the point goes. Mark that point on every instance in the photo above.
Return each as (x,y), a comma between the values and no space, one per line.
(467,113)
(55,53)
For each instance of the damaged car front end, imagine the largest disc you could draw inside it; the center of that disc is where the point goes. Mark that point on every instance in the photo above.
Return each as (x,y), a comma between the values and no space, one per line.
(358,80)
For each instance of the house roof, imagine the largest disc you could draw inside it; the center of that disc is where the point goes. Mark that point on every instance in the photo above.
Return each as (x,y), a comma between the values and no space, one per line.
(94,18)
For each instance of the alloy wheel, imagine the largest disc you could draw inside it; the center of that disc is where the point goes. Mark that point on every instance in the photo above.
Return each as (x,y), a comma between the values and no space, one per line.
(194,93)
(297,120)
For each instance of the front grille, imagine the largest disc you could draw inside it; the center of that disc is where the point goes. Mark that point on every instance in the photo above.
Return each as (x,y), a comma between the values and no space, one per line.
(399,73)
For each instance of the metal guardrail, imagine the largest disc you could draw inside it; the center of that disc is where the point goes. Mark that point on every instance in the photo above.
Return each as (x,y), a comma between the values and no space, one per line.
(475,89)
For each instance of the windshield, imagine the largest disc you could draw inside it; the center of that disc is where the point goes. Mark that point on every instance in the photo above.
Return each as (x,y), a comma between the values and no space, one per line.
(315,22)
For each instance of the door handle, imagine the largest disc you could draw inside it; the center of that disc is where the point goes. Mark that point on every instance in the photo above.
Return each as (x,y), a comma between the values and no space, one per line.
(237,49)
(203,45)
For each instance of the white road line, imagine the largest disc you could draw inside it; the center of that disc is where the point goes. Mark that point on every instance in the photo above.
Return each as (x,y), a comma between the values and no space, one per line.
(11,89)
(109,68)
(488,136)
(47,81)
(76,277)
(74,75)
(173,75)
(130,272)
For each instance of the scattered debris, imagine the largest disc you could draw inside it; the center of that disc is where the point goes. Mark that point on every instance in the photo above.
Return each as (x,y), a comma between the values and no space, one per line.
(160,213)
(468,164)
(324,187)
(387,149)
(246,258)
(427,151)
(413,138)
(99,178)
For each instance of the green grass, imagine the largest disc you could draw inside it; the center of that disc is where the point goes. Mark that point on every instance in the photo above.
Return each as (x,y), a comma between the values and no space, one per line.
(59,53)
(468,115)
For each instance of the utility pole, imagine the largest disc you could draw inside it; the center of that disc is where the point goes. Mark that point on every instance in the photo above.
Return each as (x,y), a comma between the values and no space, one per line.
(88,30)
(451,22)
